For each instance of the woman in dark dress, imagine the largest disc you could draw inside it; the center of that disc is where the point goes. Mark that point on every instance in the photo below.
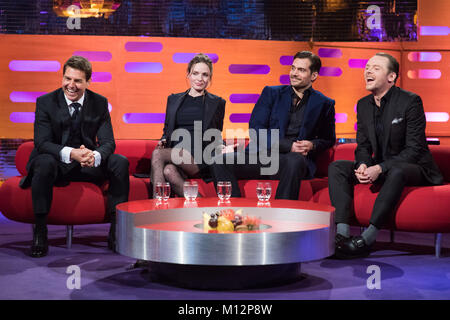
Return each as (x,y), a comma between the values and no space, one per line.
(183,109)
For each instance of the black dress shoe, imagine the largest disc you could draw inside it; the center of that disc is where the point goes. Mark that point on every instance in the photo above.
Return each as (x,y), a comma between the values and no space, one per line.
(39,247)
(339,238)
(354,247)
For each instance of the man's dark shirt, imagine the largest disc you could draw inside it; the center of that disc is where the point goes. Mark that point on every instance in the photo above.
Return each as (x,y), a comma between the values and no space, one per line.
(295,120)
(378,115)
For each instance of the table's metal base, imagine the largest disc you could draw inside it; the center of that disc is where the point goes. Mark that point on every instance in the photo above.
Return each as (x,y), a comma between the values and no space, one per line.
(224,277)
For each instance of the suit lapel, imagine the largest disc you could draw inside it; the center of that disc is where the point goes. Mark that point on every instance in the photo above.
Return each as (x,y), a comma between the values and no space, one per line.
(172,111)
(63,116)
(389,113)
(210,109)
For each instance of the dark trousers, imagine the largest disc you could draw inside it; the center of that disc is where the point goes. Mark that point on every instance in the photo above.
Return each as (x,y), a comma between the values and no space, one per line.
(342,179)
(47,171)
(292,169)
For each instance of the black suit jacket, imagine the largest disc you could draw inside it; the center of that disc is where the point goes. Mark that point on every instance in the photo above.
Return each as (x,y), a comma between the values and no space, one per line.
(52,126)
(213,115)
(271,111)
(404,134)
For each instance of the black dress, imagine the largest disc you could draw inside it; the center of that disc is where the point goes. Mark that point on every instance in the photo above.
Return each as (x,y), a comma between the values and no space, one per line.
(191,110)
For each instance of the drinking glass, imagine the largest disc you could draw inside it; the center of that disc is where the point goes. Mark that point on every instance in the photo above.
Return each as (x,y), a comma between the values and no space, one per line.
(224,190)
(190,190)
(267,191)
(263,191)
(162,191)
(260,191)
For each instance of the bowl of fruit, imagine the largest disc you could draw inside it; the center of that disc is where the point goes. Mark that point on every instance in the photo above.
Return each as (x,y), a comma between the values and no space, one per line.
(228,220)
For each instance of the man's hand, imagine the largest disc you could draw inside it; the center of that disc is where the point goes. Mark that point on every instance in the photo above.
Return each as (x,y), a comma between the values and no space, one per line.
(373,172)
(83,155)
(161,144)
(303,147)
(361,175)
(229,148)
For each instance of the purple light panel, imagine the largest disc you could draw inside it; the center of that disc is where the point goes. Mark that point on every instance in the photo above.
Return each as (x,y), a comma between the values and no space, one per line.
(434,31)
(424,56)
(94,55)
(143,46)
(284,79)
(357,63)
(330,53)
(101,77)
(144,117)
(286,60)
(22,117)
(436,116)
(424,74)
(244,97)
(186,57)
(249,68)
(240,117)
(330,71)
(34,65)
(143,67)
(25,96)
(341,117)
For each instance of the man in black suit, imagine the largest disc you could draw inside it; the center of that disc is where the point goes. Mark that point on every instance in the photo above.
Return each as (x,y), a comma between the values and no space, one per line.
(392,152)
(73,141)
(305,120)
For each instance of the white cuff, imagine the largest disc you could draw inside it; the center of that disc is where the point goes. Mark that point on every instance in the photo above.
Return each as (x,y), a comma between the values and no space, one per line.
(64,154)
(98,158)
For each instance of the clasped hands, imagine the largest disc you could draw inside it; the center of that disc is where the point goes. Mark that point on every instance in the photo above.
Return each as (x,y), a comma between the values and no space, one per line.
(84,156)
(366,174)
(302,146)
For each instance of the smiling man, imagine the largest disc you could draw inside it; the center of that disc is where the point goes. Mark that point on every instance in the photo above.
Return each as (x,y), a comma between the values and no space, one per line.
(73,141)
(304,118)
(392,152)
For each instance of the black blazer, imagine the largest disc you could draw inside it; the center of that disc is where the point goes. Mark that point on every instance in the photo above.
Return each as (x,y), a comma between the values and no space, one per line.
(271,111)
(404,134)
(214,112)
(52,125)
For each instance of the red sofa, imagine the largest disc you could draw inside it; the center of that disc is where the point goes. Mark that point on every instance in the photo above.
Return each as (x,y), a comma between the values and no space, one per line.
(422,209)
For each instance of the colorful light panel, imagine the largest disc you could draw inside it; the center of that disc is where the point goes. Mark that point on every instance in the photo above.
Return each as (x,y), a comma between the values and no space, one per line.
(249,68)
(186,57)
(94,55)
(144,117)
(34,65)
(143,67)
(133,46)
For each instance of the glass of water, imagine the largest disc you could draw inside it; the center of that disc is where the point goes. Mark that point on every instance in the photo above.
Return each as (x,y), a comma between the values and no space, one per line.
(224,190)
(263,191)
(190,190)
(162,191)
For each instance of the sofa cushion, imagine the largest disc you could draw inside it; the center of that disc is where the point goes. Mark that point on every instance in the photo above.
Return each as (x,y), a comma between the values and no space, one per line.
(16,203)
(421,209)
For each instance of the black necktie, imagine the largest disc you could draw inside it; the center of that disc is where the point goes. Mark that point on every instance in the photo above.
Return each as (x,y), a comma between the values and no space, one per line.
(77,107)
(75,118)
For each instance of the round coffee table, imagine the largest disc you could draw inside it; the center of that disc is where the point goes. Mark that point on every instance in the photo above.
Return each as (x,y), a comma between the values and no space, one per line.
(169,235)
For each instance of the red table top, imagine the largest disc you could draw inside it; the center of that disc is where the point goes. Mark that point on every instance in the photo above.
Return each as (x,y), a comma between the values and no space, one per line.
(177,203)
(141,206)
